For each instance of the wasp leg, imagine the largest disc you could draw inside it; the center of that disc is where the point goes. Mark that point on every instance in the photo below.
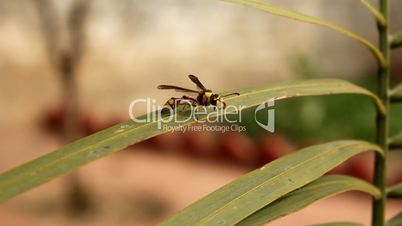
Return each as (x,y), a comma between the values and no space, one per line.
(195,104)
(196,115)
(193,101)
(171,103)
(220,107)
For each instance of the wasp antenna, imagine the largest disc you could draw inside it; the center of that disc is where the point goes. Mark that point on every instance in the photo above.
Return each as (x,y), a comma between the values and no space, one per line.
(231,94)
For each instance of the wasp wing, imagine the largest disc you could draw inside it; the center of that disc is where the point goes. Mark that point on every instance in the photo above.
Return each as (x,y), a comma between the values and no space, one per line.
(179,89)
(198,83)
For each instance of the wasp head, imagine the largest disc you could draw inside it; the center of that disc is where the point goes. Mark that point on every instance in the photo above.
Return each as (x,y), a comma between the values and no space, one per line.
(216,100)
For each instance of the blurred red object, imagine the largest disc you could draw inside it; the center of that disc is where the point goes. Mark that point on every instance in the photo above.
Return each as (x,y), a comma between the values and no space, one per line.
(92,124)
(171,141)
(200,143)
(53,121)
(238,147)
(362,166)
(394,169)
(343,168)
(273,146)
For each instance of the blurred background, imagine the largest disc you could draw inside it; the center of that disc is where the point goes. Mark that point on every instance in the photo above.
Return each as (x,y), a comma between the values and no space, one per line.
(71,68)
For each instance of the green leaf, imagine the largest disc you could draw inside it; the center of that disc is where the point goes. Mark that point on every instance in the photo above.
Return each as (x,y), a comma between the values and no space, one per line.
(338,224)
(239,199)
(395,142)
(291,14)
(396,93)
(115,138)
(395,191)
(396,220)
(323,187)
(315,87)
(396,40)
(376,13)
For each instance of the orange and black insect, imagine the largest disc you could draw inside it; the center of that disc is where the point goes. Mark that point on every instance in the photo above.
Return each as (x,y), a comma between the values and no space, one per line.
(205,97)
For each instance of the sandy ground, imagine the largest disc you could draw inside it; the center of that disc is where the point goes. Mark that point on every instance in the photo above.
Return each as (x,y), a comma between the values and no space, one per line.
(141,186)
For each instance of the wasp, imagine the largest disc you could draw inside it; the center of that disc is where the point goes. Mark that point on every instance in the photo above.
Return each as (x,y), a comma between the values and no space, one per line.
(205,97)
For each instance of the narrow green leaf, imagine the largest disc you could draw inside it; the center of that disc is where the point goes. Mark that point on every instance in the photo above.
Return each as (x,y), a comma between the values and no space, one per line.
(291,14)
(396,220)
(395,142)
(396,93)
(110,140)
(395,191)
(321,188)
(239,199)
(376,13)
(338,224)
(396,40)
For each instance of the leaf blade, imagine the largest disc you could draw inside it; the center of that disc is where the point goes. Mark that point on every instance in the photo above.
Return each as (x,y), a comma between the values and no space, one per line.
(376,13)
(396,40)
(395,191)
(396,93)
(321,188)
(396,220)
(117,137)
(263,186)
(295,15)
(395,142)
